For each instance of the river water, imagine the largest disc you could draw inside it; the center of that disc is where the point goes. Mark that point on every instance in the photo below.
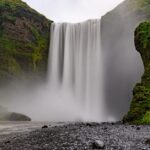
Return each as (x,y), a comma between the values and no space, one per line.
(20,127)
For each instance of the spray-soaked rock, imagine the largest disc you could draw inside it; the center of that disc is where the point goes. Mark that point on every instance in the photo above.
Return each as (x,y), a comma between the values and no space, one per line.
(12,116)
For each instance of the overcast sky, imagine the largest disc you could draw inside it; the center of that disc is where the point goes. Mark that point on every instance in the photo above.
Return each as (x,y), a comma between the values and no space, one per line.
(73,10)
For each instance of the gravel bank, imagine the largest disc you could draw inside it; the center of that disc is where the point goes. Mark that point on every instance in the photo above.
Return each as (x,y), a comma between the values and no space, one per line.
(80,136)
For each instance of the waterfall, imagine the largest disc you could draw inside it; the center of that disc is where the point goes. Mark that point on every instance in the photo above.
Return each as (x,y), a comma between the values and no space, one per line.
(75,71)
(85,83)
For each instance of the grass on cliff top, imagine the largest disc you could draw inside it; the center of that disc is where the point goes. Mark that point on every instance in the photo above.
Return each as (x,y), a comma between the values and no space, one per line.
(143,3)
(13,3)
(137,3)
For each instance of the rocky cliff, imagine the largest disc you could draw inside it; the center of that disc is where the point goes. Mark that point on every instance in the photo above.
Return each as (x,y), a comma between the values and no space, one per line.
(140,107)
(118,28)
(24,42)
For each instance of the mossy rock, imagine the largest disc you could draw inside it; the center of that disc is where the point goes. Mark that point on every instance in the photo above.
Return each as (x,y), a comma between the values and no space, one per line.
(139,112)
(117,29)
(24,42)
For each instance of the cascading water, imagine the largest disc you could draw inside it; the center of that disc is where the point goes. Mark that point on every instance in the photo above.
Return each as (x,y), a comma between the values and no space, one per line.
(84,82)
(75,70)
(74,91)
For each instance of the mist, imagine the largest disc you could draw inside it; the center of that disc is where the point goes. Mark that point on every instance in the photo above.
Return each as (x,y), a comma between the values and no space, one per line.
(40,103)
(123,66)
(121,69)
(74,89)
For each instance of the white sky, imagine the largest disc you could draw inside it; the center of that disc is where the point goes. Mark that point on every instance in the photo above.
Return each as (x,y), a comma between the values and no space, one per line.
(73,10)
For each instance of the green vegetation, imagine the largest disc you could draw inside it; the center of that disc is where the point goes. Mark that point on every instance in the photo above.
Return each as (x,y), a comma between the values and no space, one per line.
(13,4)
(146,118)
(140,107)
(143,6)
(24,42)
(121,23)
(143,3)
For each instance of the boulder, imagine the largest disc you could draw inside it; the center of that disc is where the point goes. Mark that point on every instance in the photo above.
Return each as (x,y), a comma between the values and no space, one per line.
(12,116)
(45,127)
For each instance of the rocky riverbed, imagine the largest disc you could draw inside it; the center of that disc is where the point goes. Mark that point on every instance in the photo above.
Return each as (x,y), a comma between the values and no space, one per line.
(80,136)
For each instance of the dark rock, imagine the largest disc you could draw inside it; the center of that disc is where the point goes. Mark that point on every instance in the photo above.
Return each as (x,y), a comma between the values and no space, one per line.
(17,117)
(105,128)
(98,144)
(147,141)
(45,127)
(7,142)
(12,116)
(89,124)
(138,128)
(92,124)
(112,123)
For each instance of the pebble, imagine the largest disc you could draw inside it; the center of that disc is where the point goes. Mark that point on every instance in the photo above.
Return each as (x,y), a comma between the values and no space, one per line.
(147,141)
(7,142)
(98,144)
(80,136)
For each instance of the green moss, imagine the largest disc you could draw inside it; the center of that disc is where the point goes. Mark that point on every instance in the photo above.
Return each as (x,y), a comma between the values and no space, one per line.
(143,3)
(146,118)
(36,57)
(13,4)
(35,32)
(8,50)
(139,112)
(24,41)
(40,45)
(8,46)
(140,104)
(13,67)
(142,37)
(7,17)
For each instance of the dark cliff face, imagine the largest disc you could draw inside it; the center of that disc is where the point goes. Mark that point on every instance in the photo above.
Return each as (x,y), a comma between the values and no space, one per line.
(123,64)
(24,42)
